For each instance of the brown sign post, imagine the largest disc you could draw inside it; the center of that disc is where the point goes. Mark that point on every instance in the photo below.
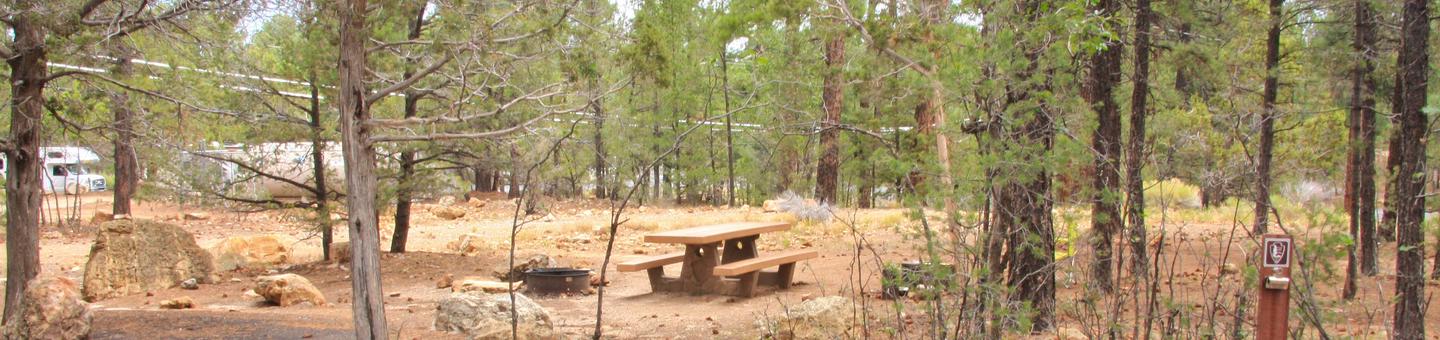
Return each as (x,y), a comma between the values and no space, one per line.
(1277,254)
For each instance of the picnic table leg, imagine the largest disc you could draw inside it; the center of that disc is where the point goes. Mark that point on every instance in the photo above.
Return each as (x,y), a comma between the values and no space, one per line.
(740,249)
(699,268)
(783,277)
(746,286)
(657,279)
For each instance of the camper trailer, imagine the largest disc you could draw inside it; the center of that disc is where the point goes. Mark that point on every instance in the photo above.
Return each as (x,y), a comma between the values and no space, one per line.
(67,169)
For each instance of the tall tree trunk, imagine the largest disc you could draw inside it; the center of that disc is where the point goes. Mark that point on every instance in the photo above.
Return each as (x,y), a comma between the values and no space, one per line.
(1135,155)
(1410,209)
(1023,200)
(1362,149)
(1105,218)
(601,189)
(827,173)
(514,182)
(127,175)
(22,187)
(317,155)
(1392,160)
(403,188)
(367,306)
(1267,117)
(1211,193)
(729,130)
(865,195)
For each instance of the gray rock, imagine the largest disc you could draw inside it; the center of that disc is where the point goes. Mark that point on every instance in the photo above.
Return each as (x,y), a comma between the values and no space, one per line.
(487,316)
(190,284)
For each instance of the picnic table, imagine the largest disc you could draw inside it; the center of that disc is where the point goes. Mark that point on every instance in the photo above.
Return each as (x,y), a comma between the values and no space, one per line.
(707,267)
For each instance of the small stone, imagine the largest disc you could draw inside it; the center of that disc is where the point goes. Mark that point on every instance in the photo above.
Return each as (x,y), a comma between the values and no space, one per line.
(445,281)
(1229,268)
(289,289)
(1067,333)
(190,284)
(517,273)
(183,302)
(447,212)
(477,284)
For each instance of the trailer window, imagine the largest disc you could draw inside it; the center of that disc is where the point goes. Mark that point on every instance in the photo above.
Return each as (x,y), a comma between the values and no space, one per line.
(57,171)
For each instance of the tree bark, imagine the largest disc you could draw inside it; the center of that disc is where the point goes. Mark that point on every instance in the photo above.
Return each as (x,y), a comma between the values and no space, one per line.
(1267,117)
(1105,218)
(127,175)
(827,173)
(22,187)
(601,189)
(1023,200)
(1392,161)
(317,155)
(367,306)
(1135,155)
(1410,185)
(514,182)
(729,130)
(1362,102)
(403,190)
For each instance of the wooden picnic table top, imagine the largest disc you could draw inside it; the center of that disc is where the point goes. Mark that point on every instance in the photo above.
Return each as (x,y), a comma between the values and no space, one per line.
(716,232)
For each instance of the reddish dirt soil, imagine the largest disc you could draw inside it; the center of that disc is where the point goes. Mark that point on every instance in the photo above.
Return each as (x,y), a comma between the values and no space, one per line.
(572,234)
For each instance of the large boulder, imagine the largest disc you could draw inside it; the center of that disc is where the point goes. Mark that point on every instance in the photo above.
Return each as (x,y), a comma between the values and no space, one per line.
(821,318)
(51,309)
(288,289)
(487,316)
(340,252)
(517,273)
(137,256)
(251,252)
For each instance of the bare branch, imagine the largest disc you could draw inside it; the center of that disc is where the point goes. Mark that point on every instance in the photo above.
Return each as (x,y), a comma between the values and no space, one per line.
(472,135)
(448,119)
(174,100)
(563,15)
(374,97)
(259,172)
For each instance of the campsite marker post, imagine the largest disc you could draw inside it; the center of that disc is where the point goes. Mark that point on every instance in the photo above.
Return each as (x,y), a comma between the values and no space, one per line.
(1276,256)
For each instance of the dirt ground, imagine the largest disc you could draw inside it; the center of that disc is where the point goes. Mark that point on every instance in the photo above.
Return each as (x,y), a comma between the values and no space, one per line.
(572,233)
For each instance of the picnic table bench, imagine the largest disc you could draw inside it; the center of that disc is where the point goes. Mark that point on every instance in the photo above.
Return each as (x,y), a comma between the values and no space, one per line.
(705,268)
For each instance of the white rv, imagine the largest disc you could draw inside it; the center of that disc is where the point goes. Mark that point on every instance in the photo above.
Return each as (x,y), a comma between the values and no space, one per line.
(67,169)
